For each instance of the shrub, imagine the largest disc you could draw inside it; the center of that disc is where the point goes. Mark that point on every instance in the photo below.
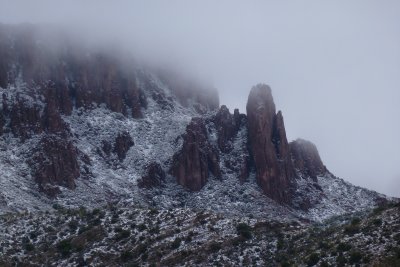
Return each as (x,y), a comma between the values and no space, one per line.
(377,222)
(82,211)
(96,211)
(64,247)
(126,256)
(286,264)
(96,221)
(215,247)
(355,257)
(114,218)
(176,243)
(142,227)
(280,244)
(312,259)
(122,234)
(73,225)
(155,230)
(29,247)
(396,237)
(33,235)
(378,210)
(343,247)
(144,256)
(153,211)
(323,245)
(83,229)
(341,260)
(351,229)
(57,206)
(355,221)
(244,230)
(141,249)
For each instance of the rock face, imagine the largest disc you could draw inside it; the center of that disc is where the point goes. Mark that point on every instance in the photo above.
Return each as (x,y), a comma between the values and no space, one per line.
(269,146)
(197,158)
(306,159)
(227,128)
(123,143)
(154,177)
(282,147)
(25,119)
(55,164)
(43,80)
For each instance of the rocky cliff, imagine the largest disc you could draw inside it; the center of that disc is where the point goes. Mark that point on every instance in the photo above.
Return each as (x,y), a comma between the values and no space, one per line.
(84,126)
(269,145)
(42,83)
(197,159)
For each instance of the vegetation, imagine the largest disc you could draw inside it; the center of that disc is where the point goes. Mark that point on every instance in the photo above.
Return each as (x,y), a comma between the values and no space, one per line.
(167,238)
(313,259)
(244,230)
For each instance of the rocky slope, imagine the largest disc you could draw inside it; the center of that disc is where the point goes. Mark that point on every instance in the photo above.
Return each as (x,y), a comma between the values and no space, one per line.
(118,235)
(83,126)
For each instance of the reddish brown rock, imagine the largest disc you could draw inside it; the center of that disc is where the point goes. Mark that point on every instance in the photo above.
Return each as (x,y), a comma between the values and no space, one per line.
(282,147)
(55,164)
(58,93)
(25,119)
(191,166)
(155,176)
(123,143)
(100,79)
(73,76)
(227,128)
(268,145)
(51,119)
(306,159)
(239,118)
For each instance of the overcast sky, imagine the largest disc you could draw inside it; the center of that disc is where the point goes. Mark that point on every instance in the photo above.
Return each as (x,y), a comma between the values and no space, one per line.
(333,66)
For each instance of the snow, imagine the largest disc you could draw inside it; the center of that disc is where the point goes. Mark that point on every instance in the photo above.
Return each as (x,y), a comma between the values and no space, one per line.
(157,137)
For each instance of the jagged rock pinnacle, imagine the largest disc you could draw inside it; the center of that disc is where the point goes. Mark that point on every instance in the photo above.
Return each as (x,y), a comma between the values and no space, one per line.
(268,143)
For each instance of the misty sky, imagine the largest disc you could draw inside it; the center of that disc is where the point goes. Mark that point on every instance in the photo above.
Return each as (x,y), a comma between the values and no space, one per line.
(333,66)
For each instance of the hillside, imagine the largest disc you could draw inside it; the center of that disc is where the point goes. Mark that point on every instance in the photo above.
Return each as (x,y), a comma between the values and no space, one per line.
(118,235)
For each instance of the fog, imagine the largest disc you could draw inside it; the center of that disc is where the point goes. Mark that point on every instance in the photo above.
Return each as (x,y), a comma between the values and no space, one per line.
(333,66)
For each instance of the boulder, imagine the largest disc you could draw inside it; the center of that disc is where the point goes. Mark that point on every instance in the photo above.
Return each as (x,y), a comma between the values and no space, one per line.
(155,176)
(122,144)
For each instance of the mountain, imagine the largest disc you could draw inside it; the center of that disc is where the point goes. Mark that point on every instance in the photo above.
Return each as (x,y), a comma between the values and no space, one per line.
(106,161)
(84,126)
